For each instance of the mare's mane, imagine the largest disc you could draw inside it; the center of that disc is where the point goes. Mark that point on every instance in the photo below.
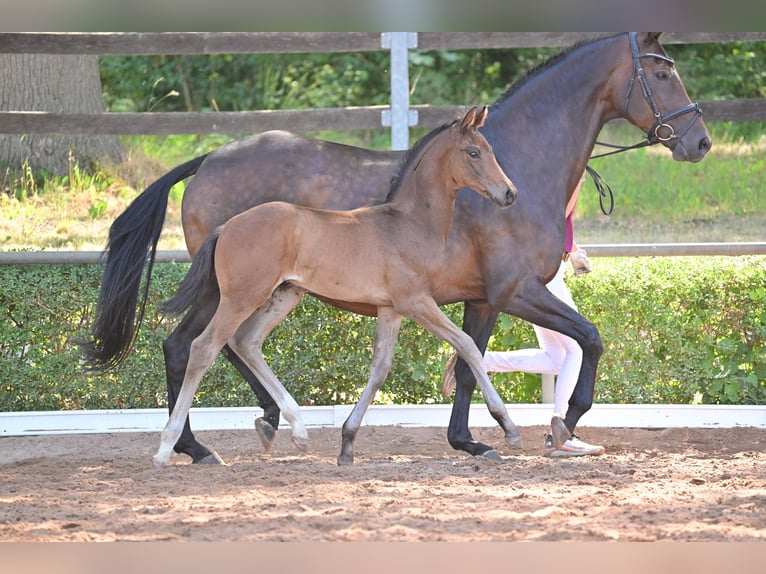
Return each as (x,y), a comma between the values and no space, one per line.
(545,65)
(415,152)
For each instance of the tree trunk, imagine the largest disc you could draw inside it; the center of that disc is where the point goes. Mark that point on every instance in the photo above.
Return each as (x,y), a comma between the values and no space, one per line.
(53,83)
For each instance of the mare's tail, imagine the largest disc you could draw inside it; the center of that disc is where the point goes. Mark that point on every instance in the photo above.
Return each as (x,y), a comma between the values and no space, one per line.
(132,246)
(199,279)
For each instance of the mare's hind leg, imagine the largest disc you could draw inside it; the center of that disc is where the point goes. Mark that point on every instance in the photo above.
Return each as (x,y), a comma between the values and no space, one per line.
(386,333)
(428,314)
(176,352)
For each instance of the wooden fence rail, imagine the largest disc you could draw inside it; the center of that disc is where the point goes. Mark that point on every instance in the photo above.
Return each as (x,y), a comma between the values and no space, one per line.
(594,250)
(363,117)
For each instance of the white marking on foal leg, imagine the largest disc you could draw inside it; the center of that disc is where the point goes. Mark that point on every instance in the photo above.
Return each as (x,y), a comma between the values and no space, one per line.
(202,354)
(248,343)
(428,314)
(386,334)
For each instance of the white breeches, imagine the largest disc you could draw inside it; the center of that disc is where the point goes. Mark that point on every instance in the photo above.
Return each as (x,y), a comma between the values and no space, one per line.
(558,354)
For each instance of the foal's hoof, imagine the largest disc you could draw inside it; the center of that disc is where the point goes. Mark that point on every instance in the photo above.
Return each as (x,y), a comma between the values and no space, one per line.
(513,441)
(159,463)
(212,458)
(492,454)
(301,443)
(266,433)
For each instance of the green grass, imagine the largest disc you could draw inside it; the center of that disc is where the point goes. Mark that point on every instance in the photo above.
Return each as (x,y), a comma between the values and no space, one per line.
(656,199)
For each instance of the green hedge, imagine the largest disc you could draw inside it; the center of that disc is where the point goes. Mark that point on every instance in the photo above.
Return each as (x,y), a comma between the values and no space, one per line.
(675,330)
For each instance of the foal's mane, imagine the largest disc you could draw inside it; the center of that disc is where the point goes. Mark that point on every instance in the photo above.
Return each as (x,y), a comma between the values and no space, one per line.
(411,155)
(545,65)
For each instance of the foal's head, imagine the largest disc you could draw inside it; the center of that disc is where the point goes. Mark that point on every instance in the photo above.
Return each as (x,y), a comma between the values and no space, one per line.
(471,162)
(461,157)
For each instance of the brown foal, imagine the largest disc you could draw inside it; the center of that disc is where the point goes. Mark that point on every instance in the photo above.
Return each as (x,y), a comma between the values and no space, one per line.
(391,256)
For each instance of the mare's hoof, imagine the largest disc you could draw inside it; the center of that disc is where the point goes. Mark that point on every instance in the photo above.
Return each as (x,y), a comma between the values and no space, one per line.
(345,460)
(492,455)
(266,433)
(159,464)
(212,458)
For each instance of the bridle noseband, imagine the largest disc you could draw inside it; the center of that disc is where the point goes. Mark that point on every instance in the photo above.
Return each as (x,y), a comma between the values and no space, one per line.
(661,122)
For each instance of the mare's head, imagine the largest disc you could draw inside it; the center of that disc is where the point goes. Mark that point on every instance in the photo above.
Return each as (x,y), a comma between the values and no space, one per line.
(657,102)
(469,160)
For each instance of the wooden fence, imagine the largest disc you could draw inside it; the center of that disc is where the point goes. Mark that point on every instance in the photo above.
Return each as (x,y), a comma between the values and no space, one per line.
(363,117)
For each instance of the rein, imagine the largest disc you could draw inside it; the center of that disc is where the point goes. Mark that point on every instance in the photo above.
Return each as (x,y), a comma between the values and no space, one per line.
(653,136)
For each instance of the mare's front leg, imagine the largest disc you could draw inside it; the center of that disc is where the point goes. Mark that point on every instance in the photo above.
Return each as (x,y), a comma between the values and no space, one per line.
(428,314)
(386,333)
(478,322)
(536,304)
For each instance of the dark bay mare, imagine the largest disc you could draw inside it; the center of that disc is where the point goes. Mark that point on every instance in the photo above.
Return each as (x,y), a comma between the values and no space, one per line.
(390,256)
(542,129)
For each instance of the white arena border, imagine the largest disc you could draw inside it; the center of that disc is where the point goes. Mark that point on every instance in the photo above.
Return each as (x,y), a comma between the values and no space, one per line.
(601,415)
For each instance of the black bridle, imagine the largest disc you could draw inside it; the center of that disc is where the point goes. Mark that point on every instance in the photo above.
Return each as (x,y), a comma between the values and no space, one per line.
(661,131)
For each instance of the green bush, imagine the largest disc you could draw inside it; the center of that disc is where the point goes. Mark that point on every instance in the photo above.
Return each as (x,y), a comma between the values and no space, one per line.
(675,330)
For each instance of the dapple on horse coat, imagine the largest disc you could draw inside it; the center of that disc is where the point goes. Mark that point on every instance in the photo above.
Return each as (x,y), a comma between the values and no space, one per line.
(542,129)
(390,256)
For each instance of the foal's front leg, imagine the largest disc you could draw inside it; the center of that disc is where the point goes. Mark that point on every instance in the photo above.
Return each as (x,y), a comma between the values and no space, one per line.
(386,333)
(428,314)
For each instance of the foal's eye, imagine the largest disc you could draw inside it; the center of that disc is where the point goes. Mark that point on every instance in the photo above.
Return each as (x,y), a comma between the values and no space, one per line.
(473,152)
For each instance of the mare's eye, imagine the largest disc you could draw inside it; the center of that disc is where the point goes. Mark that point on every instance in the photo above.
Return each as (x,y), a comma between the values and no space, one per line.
(473,152)
(662,74)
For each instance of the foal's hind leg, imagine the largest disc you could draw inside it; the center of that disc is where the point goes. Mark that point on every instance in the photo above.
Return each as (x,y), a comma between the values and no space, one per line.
(428,314)
(267,425)
(386,333)
(202,353)
(176,352)
(248,343)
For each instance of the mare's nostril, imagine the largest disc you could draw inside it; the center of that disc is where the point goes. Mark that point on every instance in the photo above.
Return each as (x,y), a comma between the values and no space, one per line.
(510,196)
(704,144)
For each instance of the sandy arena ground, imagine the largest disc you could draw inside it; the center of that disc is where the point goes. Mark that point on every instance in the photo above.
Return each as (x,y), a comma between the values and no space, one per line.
(407,484)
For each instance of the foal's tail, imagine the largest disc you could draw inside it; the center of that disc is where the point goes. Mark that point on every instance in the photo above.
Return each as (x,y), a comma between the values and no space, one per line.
(132,246)
(199,278)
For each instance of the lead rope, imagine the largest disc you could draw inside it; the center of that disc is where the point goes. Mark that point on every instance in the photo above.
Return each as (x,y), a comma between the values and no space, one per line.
(604,190)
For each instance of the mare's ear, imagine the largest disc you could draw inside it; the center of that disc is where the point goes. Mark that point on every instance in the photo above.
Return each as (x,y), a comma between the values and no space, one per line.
(468,119)
(653,36)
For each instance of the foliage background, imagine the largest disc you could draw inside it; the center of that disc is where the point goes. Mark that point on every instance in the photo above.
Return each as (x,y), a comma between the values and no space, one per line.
(280,81)
(676,330)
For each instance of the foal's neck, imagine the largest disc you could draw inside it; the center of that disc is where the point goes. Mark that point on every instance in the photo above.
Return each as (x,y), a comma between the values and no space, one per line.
(427,196)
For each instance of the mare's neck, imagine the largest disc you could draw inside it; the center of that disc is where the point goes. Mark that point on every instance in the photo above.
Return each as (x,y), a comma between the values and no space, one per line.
(545,132)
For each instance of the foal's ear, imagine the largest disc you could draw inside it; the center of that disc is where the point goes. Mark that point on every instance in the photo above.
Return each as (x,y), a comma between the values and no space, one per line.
(480,117)
(468,119)
(474,118)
